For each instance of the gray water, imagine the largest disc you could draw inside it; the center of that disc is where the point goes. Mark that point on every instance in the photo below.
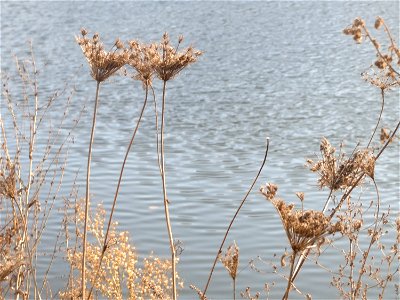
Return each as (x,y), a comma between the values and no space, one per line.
(277,69)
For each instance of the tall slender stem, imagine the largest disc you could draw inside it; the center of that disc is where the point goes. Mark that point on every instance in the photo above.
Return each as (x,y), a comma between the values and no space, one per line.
(234,288)
(233,219)
(118,186)
(166,201)
(88,191)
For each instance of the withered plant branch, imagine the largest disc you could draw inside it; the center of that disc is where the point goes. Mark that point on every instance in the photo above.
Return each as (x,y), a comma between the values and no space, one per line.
(290,278)
(388,141)
(88,191)
(374,238)
(234,217)
(379,118)
(105,242)
(305,253)
(377,48)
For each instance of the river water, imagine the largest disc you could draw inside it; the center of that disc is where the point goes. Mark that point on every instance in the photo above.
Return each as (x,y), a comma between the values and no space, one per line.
(277,69)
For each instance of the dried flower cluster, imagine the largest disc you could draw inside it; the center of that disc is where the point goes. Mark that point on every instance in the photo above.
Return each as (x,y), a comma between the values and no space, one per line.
(142,59)
(161,59)
(337,172)
(385,71)
(102,63)
(169,62)
(304,228)
(230,260)
(119,276)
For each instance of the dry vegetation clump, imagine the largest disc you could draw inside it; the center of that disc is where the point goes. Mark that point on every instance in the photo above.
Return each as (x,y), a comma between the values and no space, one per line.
(230,260)
(384,73)
(339,172)
(369,262)
(104,257)
(120,275)
(31,174)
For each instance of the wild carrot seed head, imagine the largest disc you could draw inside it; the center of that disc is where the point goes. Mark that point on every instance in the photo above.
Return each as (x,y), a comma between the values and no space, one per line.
(102,63)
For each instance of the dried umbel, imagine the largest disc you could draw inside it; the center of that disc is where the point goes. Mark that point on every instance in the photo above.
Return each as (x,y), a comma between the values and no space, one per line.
(304,228)
(385,71)
(231,260)
(142,58)
(269,190)
(102,63)
(337,172)
(168,62)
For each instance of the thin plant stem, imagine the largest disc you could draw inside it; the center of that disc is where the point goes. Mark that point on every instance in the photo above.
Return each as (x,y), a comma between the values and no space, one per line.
(234,288)
(166,201)
(104,248)
(290,279)
(157,133)
(233,219)
(355,293)
(88,191)
(379,118)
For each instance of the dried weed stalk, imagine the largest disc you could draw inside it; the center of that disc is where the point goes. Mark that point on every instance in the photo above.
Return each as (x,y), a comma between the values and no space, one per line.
(32,164)
(103,64)
(168,62)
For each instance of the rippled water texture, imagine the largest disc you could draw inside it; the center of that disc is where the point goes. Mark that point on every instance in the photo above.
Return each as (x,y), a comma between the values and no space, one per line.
(277,69)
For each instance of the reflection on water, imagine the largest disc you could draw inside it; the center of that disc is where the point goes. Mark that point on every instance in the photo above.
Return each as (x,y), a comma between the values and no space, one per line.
(281,69)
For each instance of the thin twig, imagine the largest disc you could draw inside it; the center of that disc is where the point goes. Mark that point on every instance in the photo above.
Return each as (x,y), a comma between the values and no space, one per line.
(234,217)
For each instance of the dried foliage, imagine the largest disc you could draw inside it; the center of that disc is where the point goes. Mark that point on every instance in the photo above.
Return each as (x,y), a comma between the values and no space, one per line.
(370,263)
(104,256)
(230,260)
(304,228)
(384,73)
(30,175)
(339,172)
(120,275)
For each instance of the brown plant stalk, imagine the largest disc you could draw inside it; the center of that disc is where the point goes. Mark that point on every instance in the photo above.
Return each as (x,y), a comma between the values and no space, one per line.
(104,247)
(87,195)
(233,219)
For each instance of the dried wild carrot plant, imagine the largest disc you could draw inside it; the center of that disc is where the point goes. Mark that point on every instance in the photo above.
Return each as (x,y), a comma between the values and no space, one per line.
(167,63)
(140,58)
(103,64)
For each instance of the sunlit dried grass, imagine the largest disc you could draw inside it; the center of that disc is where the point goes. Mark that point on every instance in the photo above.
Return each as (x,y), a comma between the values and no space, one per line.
(30,176)
(120,275)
